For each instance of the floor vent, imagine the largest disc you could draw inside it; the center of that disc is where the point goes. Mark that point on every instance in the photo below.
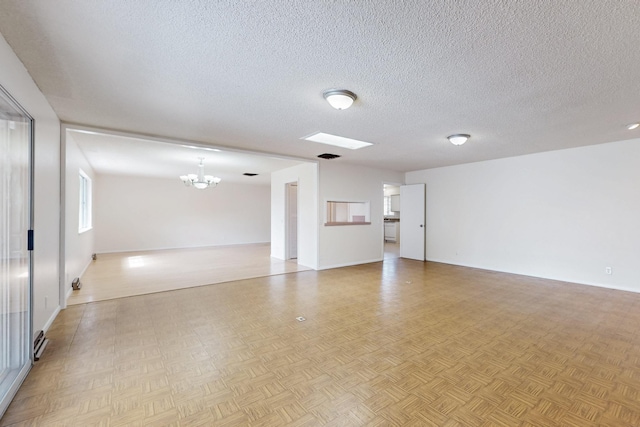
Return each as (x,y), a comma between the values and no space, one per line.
(39,344)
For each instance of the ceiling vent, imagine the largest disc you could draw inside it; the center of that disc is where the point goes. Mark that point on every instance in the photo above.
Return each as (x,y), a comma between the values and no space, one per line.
(328,156)
(249,174)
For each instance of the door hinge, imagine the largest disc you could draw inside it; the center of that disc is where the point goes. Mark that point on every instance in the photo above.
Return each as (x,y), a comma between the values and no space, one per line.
(30,240)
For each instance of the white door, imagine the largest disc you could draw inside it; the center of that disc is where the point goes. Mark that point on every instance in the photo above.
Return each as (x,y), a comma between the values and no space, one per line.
(412,213)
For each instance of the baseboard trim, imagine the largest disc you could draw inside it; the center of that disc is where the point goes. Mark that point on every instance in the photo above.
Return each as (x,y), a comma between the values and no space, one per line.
(557,279)
(47,325)
(85,268)
(349,264)
(180,248)
(69,292)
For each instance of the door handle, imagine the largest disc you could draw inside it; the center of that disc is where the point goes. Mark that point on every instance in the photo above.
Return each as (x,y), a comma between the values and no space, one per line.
(420,225)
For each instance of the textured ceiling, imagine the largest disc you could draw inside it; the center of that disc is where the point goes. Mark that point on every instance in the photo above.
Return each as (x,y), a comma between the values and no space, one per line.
(519,76)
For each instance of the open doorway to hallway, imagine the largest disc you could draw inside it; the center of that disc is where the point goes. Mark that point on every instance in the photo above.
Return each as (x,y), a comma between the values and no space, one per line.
(391,239)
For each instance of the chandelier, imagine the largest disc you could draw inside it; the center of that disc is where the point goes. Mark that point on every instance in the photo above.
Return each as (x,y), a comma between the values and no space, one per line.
(200,181)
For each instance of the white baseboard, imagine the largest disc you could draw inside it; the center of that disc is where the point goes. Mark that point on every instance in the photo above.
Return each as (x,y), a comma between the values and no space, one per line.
(47,325)
(547,277)
(171,248)
(69,292)
(85,268)
(308,266)
(349,264)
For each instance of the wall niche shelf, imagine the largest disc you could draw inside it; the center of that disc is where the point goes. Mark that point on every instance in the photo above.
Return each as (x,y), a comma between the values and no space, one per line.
(341,212)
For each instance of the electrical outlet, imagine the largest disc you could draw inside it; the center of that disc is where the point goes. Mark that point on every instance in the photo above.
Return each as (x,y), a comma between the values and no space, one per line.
(608,270)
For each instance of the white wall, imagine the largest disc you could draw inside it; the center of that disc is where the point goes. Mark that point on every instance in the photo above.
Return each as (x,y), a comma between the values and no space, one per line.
(79,246)
(134,213)
(562,215)
(352,244)
(17,81)
(306,175)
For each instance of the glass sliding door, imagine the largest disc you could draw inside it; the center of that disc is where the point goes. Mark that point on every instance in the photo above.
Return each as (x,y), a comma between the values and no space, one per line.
(16,128)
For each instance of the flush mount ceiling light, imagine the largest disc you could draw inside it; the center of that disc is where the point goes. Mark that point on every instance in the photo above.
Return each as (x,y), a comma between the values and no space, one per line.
(200,181)
(338,141)
(633,126)
(458,139)
(340,99)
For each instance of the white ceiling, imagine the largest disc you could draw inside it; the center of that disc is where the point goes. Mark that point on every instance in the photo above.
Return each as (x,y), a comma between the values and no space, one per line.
(519,76)
(121,155)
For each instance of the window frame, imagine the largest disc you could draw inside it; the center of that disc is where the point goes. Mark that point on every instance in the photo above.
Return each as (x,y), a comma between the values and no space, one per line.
(84,202)
(387,206)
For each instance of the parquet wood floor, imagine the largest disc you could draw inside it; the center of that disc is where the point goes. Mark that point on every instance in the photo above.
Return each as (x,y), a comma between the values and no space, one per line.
(125,274)
(398,343)
(391,250)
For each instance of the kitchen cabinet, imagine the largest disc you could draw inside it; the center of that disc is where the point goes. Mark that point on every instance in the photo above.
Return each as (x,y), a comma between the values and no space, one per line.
(391,231)
(395,203)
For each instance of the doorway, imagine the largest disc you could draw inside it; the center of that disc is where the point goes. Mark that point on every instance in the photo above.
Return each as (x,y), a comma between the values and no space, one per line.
(291,219)
(391,221)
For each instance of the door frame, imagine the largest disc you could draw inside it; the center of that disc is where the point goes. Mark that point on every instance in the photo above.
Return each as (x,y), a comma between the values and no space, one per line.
(288,219)
(26,368)
(395,184)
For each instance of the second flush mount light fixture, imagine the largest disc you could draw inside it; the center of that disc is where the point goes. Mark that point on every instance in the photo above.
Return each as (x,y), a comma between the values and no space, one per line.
(340,99)
(459,138)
